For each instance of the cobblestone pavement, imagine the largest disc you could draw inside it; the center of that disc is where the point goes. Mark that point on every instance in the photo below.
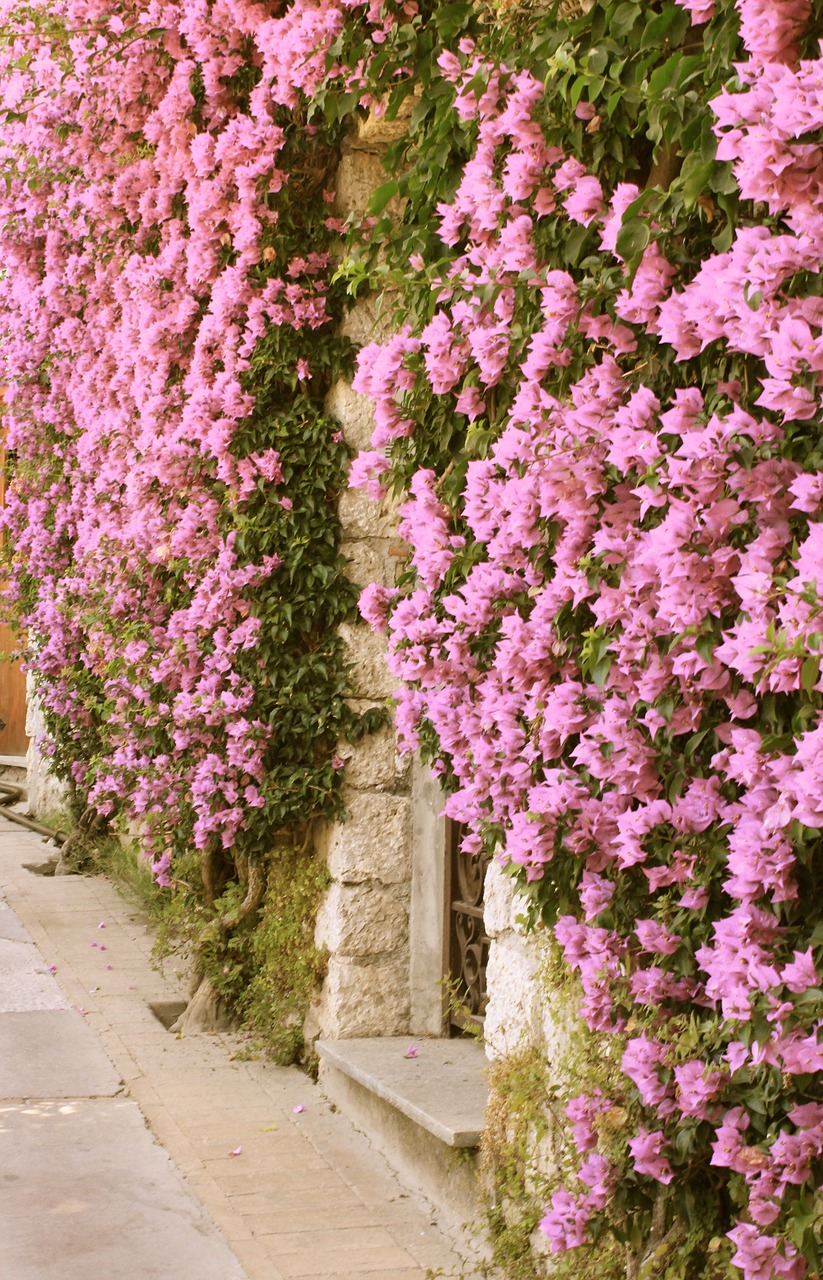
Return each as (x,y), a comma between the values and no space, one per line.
(264,1178)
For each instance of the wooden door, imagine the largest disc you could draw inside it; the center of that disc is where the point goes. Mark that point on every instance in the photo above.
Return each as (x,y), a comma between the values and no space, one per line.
(13,740)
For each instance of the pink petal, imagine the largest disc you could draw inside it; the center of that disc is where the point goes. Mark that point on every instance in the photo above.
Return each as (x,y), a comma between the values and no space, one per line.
(411,1052)
(298,1109)
(236,1152)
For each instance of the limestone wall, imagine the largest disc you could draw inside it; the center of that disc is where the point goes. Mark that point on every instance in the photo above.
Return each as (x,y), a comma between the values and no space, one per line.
(46,794)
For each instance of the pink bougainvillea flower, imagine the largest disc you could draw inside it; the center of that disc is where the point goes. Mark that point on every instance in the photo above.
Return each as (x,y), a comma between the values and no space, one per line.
(646,1151)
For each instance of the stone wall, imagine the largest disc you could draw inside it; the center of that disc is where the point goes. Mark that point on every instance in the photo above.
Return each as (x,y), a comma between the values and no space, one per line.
(383,919)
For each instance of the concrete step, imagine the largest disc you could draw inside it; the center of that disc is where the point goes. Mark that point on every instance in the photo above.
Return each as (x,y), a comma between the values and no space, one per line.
(421,1102)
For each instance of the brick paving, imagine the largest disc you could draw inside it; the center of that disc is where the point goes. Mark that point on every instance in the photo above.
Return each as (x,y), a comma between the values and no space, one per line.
(307,1195)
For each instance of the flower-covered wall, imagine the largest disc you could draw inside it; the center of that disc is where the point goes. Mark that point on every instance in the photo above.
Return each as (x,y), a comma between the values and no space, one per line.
(596,396)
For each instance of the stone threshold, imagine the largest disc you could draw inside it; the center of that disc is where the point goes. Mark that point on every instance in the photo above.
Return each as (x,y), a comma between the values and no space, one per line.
(441,1087)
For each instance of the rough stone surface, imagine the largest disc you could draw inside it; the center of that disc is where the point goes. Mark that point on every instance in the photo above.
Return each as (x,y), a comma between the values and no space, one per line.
(502,904)
(374,763)
(378,132)
(364,920)
(359,175)
(353,411)
(46,794)
(372,845)
(365,914)
(368,321)
(363,998)
(362,518)
(372,560)
(515,1011)
(366,651)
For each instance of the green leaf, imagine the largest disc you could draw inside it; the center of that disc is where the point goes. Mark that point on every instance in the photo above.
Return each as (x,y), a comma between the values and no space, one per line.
(810,674)
(573,244)
(381,197)
(452,18)
(632,238)
(695,180)
(669,25)
(624,18)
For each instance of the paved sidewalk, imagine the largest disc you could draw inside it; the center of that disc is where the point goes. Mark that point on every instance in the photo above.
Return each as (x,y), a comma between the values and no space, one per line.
(264,1179)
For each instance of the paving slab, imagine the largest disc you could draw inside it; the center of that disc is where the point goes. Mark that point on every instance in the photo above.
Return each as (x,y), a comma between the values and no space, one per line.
(53,1054)
(10,926)
(271,1163)
(87,1192)
(25,981)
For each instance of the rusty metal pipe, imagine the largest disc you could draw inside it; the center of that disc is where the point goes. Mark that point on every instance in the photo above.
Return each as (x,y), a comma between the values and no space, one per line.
(10,795)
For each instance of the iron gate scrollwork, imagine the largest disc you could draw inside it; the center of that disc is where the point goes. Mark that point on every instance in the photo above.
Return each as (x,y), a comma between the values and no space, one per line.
(468,941)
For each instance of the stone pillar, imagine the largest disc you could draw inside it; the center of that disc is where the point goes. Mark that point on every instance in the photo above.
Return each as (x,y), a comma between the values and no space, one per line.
(364,920)
(515,1010)
(46,794)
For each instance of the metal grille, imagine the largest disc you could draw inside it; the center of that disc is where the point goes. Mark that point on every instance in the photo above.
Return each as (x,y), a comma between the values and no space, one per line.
(468,943)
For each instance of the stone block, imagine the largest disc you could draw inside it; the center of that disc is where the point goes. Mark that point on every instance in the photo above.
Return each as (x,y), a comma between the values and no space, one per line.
(502,904)
(361,517)
(375,764)
(376,132)
(514,1011)
(365,999)
(359,174)
(370,320)
(354,413)
(364,920)
(374,843)
(45,793)
(372,560)
(445,1092)
(365,650)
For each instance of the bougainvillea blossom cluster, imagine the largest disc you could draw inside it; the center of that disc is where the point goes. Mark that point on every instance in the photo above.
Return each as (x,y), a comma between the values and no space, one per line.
(145,255)
(624,675)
